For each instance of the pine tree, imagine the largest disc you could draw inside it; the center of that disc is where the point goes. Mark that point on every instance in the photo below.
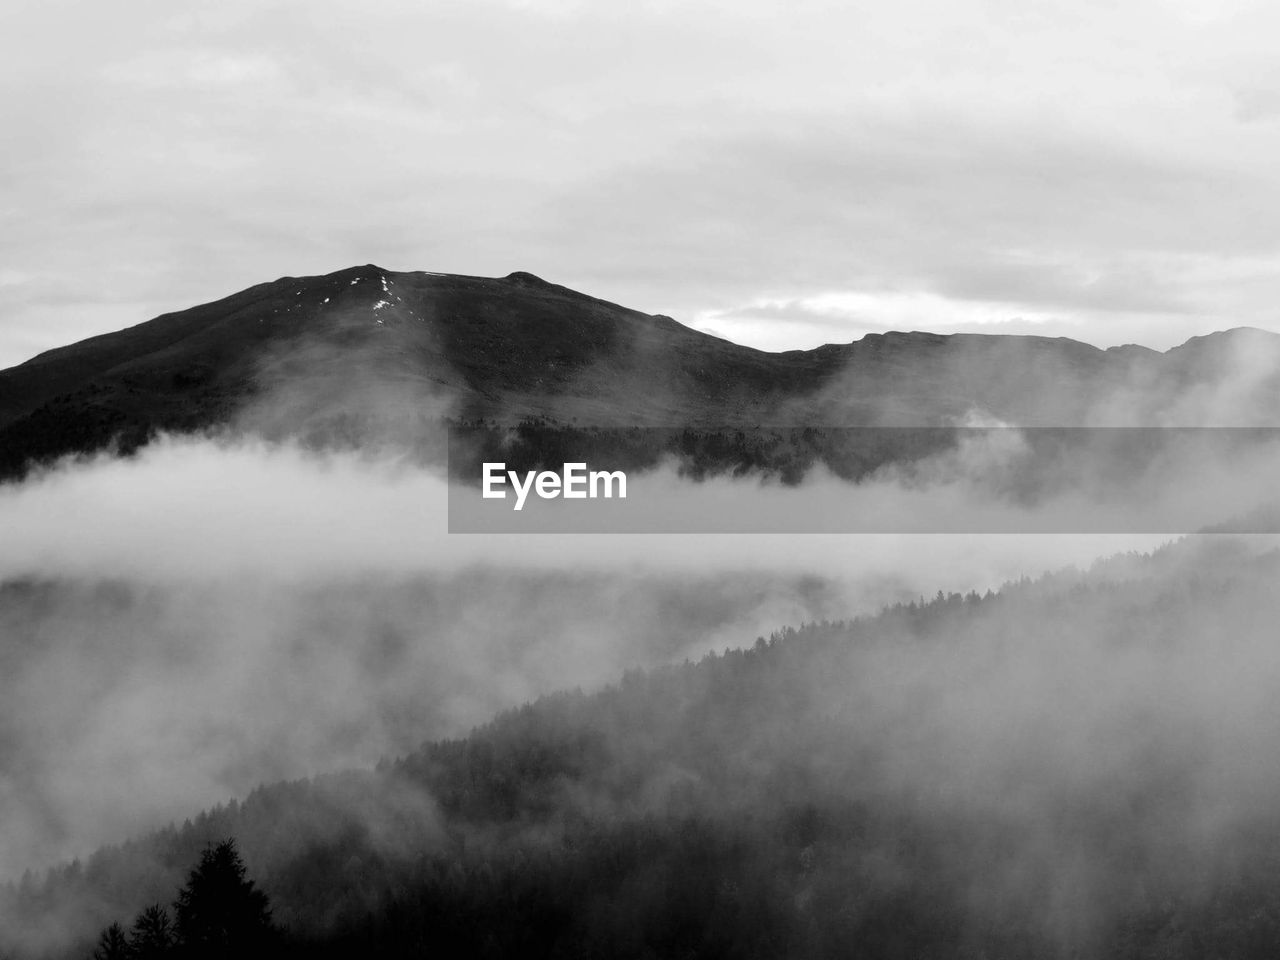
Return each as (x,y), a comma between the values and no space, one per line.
(152,935)
(112,944)
(219,912)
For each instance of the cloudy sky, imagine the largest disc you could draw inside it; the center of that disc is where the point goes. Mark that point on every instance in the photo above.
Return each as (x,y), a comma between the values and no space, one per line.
(781,174)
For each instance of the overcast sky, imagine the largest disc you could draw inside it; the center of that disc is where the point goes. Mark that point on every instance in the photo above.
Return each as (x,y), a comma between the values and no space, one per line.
(781,174)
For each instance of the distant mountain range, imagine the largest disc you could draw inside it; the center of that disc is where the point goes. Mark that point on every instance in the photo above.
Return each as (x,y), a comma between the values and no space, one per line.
(286,355)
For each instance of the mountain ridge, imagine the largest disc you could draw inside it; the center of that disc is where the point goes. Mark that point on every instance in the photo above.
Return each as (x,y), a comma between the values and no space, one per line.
(516,347)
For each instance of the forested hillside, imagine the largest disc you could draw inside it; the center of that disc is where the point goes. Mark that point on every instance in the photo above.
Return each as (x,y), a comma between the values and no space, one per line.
(1075,766)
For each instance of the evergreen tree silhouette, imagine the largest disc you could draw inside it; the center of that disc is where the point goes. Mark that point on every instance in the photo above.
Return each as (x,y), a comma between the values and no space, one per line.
(152,935)
(112,944)
(219,912)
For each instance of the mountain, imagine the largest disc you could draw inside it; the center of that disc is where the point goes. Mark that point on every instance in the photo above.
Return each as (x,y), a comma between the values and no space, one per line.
(284,356)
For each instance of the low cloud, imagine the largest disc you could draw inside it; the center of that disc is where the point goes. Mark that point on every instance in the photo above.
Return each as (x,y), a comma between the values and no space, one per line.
(204,616)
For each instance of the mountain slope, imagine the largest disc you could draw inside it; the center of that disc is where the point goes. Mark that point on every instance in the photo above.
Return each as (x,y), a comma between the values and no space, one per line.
(303,349)
(1054,770)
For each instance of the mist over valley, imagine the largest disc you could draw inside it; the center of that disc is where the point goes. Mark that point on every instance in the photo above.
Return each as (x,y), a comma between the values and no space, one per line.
(231,607)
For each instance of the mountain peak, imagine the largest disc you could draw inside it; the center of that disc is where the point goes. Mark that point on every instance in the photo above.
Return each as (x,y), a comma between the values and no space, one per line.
(504,349)
(526,279)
